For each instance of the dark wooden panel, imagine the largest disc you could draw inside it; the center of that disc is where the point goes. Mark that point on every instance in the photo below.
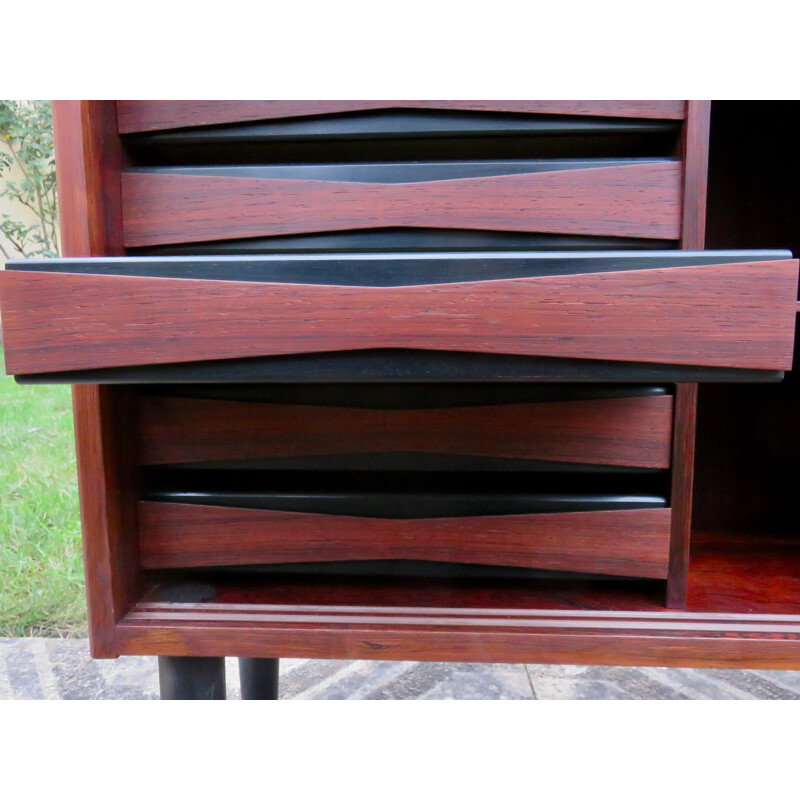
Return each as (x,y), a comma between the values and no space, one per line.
(642,200)
(748,449)
(632,431)
(627,542)
(739,315)
(407,396)
(88,163)
(393,366)
(148,115)
(397,172)
(394,240)
(391,269)
(390,127)
(396,494)
(403,135)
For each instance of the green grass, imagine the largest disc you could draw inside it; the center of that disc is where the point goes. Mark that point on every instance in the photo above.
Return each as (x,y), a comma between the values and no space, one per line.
(41,573)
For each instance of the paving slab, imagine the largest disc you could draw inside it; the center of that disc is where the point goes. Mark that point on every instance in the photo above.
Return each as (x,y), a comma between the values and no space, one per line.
(661,683)
(61,669)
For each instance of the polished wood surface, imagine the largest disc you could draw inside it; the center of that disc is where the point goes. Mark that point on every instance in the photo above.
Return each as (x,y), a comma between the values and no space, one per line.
(88,163)
(681,494)
(88,166)
(629,431)
(743,590)
(639,200)
(754,573)
(107,489)
(695,148)
(734,315)
(698,643)
(631,542)
(148,115)
(743,612)
(695,173)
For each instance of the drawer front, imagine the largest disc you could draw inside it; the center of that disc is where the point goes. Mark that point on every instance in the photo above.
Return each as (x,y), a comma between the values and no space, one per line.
(716,310)
(629,198)
(148,115)
(626,542)
(226,171)
(566,426)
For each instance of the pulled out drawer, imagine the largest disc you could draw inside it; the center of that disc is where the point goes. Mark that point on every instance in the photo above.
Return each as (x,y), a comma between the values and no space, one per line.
(140,319)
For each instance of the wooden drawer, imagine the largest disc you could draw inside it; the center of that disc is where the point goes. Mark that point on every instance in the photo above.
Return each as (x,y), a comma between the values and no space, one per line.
(722,310)
(205,520)
(231,171)
(150,115)
(519,427)
(600,197)
(568,477)
(631,543)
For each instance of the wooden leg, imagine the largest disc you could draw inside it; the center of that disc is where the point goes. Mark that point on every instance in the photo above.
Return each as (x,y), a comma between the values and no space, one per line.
(259,678)
(190,678)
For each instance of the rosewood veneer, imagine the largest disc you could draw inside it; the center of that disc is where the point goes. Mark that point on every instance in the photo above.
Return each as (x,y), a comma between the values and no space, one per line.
(419,380)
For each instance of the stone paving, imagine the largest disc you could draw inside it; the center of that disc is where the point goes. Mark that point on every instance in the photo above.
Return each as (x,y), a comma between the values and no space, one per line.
(54,669)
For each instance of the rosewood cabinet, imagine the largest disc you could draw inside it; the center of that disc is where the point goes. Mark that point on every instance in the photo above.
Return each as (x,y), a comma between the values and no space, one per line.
(419,380)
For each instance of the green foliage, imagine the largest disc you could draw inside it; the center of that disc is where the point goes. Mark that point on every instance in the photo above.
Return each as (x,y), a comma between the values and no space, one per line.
(26,141)
(41,576)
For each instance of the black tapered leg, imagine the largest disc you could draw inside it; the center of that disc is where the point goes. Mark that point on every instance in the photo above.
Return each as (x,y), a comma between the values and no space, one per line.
(259,678)
(191,678)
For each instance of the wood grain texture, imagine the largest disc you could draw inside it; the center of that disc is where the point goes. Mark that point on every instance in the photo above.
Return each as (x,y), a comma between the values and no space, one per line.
(681,493)
(695,147)
(735,315)
(641,200)
(697,129)
(744,570)
(106,485)
(754,573)
(88,164)
(150,115)
(626,542)
(71,176)
(743,611)
(629,431)
(456,634)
